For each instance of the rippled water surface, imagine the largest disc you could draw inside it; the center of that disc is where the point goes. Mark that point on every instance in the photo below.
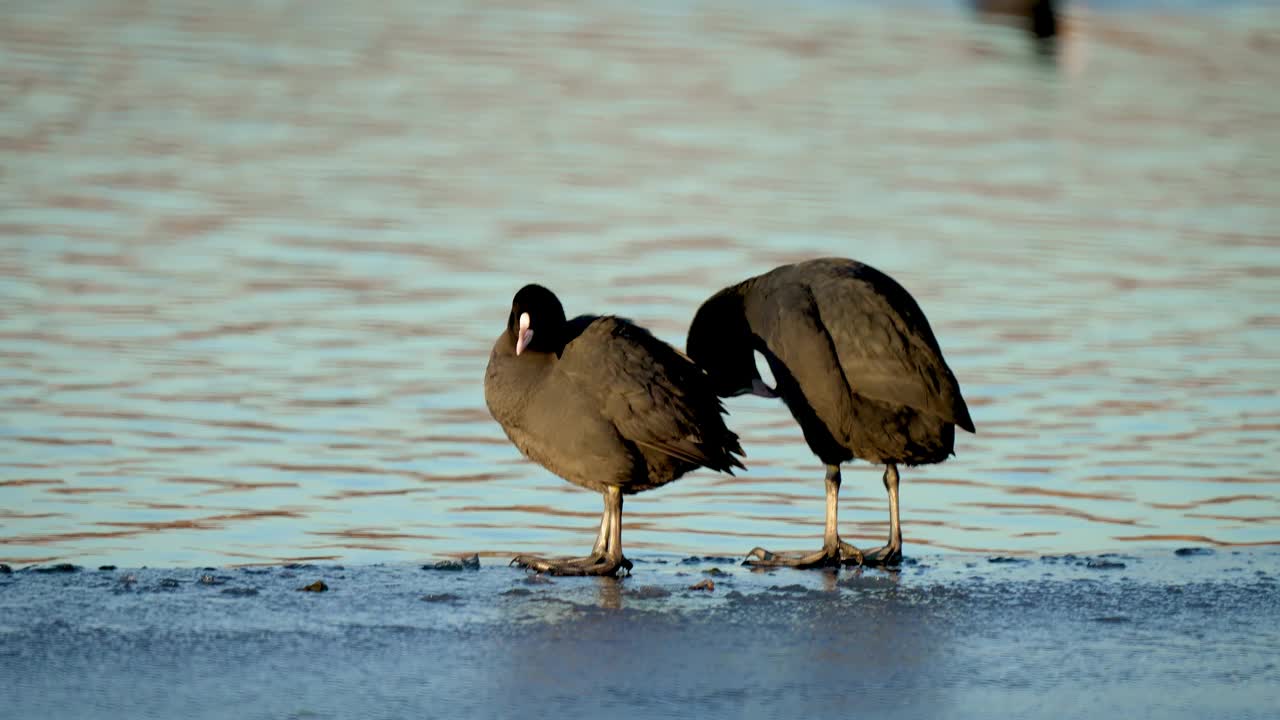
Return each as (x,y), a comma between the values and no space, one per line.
(252,263)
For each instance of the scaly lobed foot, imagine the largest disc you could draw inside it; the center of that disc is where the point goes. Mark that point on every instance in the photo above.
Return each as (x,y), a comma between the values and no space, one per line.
(827,557)
(590,565)
(851,555)
(842,554)
(887,556)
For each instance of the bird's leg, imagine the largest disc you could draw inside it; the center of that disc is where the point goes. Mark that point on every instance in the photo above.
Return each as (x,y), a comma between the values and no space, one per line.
(602,541)
(613,551)
(603,560)
(891,553)
(834,550)
(607,553)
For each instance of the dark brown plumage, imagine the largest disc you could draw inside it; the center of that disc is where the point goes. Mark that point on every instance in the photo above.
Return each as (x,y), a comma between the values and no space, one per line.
(854,360)
(604,404)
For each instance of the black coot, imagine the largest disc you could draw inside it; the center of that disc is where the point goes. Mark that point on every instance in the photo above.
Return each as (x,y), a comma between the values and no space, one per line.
(854,359)
(604,404)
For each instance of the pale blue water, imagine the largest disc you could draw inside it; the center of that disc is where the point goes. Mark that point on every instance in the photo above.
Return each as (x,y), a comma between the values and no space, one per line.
(252,263)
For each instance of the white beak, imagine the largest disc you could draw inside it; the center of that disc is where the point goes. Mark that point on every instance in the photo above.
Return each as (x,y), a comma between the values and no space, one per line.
(524,335)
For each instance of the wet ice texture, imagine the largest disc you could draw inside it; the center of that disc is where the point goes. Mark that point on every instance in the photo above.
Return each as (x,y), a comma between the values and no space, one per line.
(252,261)
(1167,636)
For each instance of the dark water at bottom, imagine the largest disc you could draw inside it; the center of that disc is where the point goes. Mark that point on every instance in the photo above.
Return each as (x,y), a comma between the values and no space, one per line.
(1158,635)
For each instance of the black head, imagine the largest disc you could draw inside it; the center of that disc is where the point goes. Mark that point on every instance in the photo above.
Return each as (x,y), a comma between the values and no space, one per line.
(536,322)
(721,343)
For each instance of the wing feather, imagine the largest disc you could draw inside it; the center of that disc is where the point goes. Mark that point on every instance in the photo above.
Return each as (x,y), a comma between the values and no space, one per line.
(654,396)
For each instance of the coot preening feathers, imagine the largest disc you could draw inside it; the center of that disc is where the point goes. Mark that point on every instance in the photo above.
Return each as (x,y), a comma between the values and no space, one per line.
(854,360)
(604,404)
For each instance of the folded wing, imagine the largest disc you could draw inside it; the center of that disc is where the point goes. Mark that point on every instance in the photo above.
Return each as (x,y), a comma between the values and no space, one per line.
(654,396)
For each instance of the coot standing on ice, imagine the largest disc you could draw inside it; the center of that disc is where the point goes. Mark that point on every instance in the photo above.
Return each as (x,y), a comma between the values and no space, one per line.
(854,360)
(604,404)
